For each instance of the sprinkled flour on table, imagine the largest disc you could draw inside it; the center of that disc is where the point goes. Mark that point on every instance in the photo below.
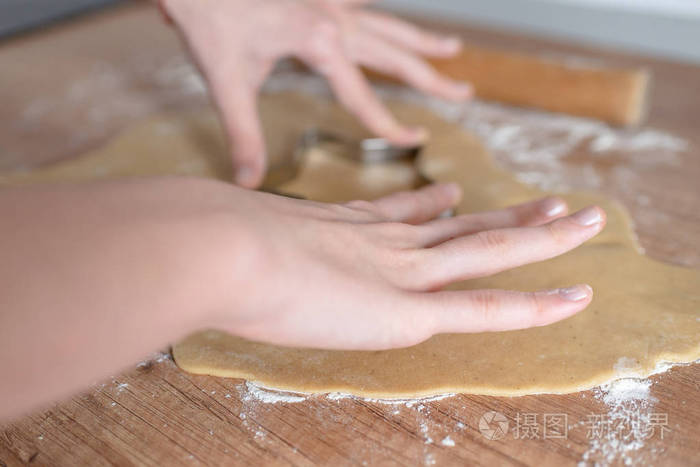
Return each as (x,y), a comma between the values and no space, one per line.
(624,428)
(631,418)
(447,441)
(156,357)
(270,396)
(406,402)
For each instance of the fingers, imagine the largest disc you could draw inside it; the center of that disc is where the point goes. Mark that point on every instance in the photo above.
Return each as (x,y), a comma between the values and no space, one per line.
(499,310)
(390,59)
(408,35)
(355,93)
(527,214)
(491,251)
(238,106)
(418,206)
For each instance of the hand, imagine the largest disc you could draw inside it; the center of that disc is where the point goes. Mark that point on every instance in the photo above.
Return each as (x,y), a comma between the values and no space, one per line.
(367,275)
(136,264)
(237,42)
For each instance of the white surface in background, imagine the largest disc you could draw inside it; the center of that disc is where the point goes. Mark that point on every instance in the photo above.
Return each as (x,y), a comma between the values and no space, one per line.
(667,7)
(666,28)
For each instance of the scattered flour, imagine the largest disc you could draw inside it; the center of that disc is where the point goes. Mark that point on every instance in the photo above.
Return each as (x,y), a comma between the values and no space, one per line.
(624,428)
(270,396)
(156,357)
(624,390)
(447,441)
(406,402)
(258,393)
(630,415)
(425,432)
(626,366)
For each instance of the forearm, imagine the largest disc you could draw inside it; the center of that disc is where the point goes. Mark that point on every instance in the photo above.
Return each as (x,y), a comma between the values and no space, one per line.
(96,276)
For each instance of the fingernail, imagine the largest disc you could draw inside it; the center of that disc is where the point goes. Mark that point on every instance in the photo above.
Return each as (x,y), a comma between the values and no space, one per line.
(576,293)
(244,176)
(587,217)
(552,207)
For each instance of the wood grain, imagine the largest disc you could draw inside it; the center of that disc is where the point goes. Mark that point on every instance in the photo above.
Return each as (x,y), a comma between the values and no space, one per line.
(166,417)
(69,88)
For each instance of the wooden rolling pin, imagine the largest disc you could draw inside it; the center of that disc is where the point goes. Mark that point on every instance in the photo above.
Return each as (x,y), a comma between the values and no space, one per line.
(614,95)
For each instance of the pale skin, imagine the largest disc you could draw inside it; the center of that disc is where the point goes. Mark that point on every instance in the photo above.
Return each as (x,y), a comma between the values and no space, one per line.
(97,275)
(332,37)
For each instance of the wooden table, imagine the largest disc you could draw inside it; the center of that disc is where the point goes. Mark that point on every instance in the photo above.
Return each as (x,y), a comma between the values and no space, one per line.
(68,88)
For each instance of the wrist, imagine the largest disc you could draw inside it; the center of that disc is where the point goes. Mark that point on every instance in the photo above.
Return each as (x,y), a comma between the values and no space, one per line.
(220,254)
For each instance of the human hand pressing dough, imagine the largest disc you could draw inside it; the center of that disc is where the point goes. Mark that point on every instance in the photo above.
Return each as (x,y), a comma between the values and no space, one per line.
(137,264)
(237,42)
(367,275)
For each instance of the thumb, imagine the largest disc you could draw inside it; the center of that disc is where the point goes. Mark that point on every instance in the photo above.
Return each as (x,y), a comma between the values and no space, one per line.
(239,110)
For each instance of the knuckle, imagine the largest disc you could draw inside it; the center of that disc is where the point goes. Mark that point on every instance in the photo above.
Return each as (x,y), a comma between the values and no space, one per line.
(521,215)
(415,327)
(557,234)
(403,268)
(402,260)
(393,230)
(361,205)
(323,40)
(537,308)
(343,213)
(412,234)
(397,234)
(486,304)
(492,240)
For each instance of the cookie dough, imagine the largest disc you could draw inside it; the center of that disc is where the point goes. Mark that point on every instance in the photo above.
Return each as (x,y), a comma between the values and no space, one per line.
(644,312)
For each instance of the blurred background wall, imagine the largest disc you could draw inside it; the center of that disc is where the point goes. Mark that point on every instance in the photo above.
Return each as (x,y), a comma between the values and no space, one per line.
(668,28)
(20,15)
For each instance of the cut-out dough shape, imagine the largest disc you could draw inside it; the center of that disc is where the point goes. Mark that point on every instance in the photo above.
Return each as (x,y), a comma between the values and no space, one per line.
(644,312)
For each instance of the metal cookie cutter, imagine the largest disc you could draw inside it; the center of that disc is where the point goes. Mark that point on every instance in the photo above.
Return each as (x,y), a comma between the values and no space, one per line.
(365,151)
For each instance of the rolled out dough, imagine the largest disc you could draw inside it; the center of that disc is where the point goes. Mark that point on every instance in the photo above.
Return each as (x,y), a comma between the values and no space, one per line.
(644,312)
